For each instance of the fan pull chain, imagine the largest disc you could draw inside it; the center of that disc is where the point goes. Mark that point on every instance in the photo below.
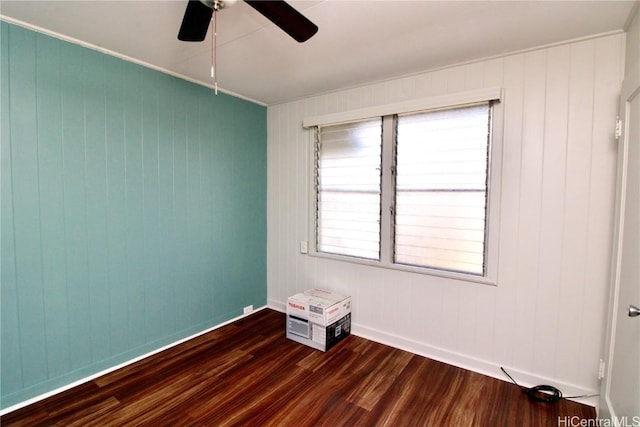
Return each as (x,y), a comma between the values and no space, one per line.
(214,40)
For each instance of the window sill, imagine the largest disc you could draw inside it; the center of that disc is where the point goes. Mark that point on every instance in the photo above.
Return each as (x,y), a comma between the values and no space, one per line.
(485,280)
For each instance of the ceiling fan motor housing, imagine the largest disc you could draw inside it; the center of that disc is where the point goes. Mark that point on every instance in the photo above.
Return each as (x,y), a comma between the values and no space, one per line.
(215,5)
(199,13)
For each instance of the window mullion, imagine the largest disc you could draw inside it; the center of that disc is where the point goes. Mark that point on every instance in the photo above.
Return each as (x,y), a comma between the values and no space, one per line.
(387,184)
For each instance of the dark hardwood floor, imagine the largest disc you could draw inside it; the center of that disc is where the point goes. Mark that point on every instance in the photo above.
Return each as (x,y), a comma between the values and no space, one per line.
(248,374)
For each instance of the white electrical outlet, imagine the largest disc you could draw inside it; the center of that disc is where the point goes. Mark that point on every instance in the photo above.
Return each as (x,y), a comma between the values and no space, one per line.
(248,309)
(304,247)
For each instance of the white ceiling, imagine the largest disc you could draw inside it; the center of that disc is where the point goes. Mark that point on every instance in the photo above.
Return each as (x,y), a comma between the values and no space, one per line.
(358,41)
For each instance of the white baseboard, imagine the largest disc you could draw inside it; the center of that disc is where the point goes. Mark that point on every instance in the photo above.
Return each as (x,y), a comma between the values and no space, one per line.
(442,355)
(120,365)
(491,369)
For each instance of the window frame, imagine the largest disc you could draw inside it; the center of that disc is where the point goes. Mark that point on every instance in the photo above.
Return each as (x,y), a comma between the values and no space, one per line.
(387,111)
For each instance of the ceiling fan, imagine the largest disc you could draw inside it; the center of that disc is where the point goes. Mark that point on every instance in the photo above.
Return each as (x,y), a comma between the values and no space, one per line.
(199,13)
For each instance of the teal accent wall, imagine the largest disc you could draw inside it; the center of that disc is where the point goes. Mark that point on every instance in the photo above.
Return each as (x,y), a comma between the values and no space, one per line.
(133,211)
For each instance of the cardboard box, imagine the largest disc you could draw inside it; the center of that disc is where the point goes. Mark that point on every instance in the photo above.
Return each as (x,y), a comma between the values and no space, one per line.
(318,318)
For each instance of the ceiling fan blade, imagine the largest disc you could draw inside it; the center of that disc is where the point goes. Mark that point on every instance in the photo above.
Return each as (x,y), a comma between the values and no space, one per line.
(286,17)
(195,22)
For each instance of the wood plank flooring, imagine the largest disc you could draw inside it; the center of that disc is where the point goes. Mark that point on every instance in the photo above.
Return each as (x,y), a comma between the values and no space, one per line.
(248,374)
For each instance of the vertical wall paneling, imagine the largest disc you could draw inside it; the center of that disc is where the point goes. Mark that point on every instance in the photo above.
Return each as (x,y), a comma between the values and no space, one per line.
(115,156)
(193,204)
(544,320)
(134,202)
(574,281)
(11,366)
(530,197)
(164,293)
(96,193)
(302,163)
(551,209)
(133,211)
(26,208)
(151,235)
(206,218)
(75,204)
(50,165)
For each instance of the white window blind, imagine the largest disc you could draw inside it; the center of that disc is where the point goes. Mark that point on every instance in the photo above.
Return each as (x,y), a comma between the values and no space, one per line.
(348,164)
(441,188)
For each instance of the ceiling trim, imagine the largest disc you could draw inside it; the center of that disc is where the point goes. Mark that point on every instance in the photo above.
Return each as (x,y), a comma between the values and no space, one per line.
(121,56)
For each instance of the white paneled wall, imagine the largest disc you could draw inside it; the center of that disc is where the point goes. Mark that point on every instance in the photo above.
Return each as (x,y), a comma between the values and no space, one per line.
(545,319)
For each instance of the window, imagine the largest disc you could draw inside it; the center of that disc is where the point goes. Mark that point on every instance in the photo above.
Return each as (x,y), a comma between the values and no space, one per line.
(348,164)
(410,191)
(441,188)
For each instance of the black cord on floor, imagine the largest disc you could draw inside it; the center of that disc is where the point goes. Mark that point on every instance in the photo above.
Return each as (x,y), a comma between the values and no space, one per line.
(544,393)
